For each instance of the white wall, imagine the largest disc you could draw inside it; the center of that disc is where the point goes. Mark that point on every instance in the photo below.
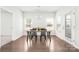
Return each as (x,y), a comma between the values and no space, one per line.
(17,22)
(0,28)
(60,20)
(75,24)
(61,14)
(77,27)
(6,27)
(36,20)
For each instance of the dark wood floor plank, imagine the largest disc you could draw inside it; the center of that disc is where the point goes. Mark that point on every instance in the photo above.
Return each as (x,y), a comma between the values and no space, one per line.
(21,45)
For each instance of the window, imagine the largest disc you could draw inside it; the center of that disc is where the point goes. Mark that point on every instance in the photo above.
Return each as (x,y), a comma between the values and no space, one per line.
(28,22)
(50,22)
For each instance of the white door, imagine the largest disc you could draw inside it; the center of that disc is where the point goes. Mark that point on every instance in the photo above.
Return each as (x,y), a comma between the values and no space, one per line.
(70,25)
(6,27)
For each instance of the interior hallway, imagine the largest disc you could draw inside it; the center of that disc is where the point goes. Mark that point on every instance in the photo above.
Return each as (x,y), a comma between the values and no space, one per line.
(21,45)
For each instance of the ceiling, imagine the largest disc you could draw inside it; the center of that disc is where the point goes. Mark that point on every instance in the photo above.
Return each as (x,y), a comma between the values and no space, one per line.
(38,8)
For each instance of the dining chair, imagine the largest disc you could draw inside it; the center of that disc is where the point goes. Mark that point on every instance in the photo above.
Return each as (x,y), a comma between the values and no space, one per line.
(43,34)
(34,34)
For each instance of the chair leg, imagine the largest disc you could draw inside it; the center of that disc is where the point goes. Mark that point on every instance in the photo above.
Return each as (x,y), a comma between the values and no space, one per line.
(49,38)
(31,37)
(45,38)
(27,38)
(40,38)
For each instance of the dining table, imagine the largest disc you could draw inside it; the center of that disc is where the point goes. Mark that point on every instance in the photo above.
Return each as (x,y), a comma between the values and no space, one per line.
(38,32)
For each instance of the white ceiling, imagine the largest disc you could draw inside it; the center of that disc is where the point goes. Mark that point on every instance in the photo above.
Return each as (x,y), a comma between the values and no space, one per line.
(38,8)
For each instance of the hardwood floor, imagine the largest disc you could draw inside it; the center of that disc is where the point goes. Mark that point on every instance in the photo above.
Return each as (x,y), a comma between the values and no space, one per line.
(21,45)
